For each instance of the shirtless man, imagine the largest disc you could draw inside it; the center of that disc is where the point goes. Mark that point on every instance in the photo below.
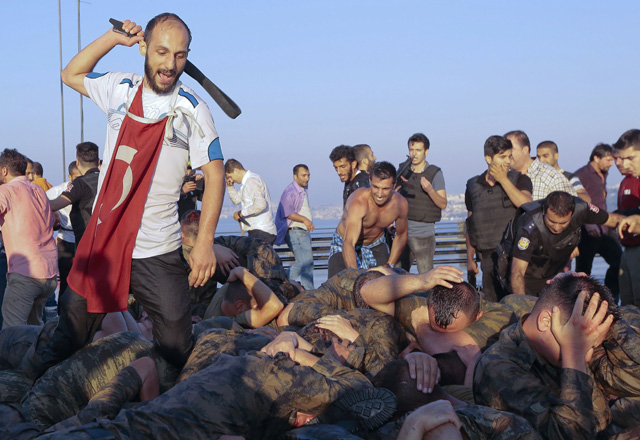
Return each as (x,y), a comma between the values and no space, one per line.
(359,240)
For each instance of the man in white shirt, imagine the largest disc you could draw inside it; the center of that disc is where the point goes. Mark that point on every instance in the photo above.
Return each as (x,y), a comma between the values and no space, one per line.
(132,243)
(255,215)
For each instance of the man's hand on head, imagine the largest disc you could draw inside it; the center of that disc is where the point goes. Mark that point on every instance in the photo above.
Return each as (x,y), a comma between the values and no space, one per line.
(443,276)
(582,332)
(226,259)
(202,261)
(424,369)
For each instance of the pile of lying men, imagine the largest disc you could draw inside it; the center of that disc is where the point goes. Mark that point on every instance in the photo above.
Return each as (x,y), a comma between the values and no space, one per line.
(370,354)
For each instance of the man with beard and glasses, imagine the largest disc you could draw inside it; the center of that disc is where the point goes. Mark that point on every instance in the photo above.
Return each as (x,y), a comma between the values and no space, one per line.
(132,242)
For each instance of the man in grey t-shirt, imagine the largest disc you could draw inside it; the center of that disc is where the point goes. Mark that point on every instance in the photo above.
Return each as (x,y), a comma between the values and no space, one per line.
(422,185)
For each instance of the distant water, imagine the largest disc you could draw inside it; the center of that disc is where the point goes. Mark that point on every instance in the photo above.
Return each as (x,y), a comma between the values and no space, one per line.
(229,226)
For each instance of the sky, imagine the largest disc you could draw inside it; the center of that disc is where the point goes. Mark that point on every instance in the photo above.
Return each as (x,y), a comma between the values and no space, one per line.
(311,75)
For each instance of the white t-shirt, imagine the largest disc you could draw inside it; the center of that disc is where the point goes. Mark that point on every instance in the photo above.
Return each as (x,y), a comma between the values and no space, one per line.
(66,231)
(159,230)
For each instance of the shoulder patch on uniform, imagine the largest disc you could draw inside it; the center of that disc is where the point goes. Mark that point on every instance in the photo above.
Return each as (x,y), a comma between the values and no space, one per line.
(530,226)
(523,243)
(192,99)
(594,208)
(69,187)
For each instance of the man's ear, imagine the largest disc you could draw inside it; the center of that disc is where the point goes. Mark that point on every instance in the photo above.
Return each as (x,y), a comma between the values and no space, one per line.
(142,47)
(480,313)
(488,160)
(240,306)
(544,321)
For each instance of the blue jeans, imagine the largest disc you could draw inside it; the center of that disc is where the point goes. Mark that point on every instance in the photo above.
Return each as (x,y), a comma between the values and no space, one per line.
(299,241)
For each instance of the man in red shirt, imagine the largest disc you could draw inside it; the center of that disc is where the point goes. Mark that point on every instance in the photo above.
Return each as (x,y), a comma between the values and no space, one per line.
(628,147)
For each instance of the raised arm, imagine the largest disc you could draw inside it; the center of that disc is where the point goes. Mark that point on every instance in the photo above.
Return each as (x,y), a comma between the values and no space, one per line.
(382,293)
(267,303)
(85,61)
(500,174)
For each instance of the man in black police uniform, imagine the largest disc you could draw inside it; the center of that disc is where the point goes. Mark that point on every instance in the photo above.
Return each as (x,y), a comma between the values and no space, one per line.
(82,191)
(541,238)
(492,199)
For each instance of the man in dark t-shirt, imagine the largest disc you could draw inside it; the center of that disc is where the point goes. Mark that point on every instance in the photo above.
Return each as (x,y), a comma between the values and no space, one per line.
(82,191)
(344,162)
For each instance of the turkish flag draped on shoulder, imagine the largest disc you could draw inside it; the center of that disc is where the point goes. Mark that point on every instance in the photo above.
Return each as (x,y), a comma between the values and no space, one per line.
(102,265)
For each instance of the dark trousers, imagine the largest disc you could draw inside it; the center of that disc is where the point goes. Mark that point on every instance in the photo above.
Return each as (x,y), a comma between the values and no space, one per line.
(160,285)
(336,262)
(66,252)
(608,246)
(490,284)
(259,233)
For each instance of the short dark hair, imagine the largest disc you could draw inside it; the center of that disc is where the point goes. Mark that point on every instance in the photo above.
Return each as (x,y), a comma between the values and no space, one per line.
(383,170)
(360,152)
(37,169)
(231,165)
(360,281)
(560,202)
(630,138)
(296,169)
(87,154)
(236,290)
(563,293)
(496,145)
(519,136)
(548,144)
(161,18)
(72,167)
(190,223)
(600,151)
(448,303)
(342,152)
(14,161)
(419,137)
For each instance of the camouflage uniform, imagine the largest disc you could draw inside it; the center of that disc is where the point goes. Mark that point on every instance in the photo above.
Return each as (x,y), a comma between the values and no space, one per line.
(485,331)
(381,336)
(254,396)
(616,363)
(14,343)
(478,422)
(560,403)
(66,388)
(521,304)
(261,260)
(334,294)
(214,342)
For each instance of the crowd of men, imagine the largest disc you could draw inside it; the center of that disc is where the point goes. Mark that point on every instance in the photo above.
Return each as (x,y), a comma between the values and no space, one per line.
(166,331)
